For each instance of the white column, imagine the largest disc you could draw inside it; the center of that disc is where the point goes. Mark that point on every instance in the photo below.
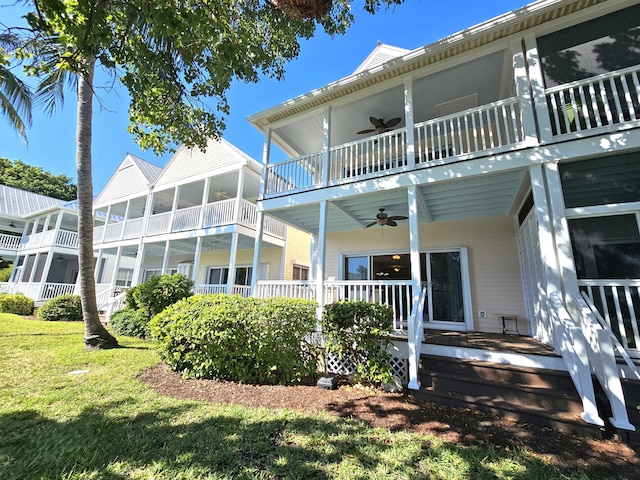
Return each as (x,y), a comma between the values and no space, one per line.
(116,267)
(125,219)
(326,143)
(96,267)
(409,121)
(322,247)
(56,228)
(196,259)
(138,265)
(416,280)
(165,259)
(106,224)
(232,262)
(523,92)
(45,272)
(203,204)
(266,152)
(536,82)
(174,207)
(239,193)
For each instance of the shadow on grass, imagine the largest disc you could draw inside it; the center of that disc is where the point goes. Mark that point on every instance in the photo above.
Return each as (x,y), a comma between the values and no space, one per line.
(99,443)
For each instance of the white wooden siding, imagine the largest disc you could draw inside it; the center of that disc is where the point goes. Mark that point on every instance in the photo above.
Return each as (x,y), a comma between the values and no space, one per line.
(128,180)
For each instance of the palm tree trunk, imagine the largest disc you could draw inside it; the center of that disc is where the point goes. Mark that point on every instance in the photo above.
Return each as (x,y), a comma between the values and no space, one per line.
(95,335)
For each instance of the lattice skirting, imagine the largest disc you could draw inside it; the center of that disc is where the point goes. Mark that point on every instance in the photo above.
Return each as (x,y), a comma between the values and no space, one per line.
(337,366)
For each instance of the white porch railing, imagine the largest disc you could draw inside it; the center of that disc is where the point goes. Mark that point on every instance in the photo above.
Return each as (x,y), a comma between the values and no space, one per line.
(489,127)
(206,289)
(110,299)
(602,360)
(186,219)
(64,238)
(219,213)
(53,290)
(9,242)
(6,287)
(296,174)
(596,102)
(133,228)
(159,223)
(618,301)
(572,345)
(380,153)
(396,294)
(113,231)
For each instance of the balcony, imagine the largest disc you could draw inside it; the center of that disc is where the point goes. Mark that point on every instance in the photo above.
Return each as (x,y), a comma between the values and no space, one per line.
(51,238)
(588,107)
(9,242)
(215,214)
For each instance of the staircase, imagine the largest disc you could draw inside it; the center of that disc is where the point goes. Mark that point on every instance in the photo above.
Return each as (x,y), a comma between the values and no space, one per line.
(546,397)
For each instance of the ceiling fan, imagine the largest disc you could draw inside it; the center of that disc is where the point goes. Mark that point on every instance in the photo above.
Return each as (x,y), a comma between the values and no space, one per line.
(380,125)
(383,219)
(221,194)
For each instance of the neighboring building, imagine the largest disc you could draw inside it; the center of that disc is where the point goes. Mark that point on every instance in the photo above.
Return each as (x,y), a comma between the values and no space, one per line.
(509,154)
(197,216)
(39,235)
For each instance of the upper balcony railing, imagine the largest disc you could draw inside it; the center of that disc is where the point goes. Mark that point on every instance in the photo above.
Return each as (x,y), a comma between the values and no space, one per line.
(214,214)
(493,127)
(595,103)
(61,238)
(9,242)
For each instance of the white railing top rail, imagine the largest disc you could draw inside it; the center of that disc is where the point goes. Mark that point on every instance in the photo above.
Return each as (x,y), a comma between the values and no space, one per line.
(470,111)
(609,283)
(594,79)
(572,345)
(616,343)
(374,139)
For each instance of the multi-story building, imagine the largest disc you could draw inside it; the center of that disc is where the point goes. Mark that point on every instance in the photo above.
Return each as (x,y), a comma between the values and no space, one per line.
(498,168)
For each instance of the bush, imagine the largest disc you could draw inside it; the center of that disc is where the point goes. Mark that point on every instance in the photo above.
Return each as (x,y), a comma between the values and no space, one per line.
(5,273)
(16,303)
(130,322)
(358,333)
(228,337)
(65,307)
(157,293)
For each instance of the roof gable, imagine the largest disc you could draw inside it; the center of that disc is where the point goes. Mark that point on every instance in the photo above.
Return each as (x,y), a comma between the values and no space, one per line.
(133,176)
(191,162)
(381,54)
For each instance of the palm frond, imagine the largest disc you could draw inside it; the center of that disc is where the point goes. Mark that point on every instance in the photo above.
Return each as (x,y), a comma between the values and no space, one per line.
(15,101)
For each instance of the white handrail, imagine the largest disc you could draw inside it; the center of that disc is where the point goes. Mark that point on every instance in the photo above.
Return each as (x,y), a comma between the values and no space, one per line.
(603,362)
(416,336)
(573,348)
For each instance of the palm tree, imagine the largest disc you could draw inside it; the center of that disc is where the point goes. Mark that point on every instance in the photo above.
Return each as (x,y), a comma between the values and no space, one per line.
(15,95)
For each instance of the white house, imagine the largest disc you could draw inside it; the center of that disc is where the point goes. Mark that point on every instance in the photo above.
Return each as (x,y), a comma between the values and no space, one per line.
(39,235)
(196,216)
(500,169)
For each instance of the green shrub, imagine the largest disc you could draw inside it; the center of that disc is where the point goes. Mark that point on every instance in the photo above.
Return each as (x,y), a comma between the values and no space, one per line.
(228,337)
(358,333)
(157,293)
(65,307)
(5,273)
(16,303)
(130,322)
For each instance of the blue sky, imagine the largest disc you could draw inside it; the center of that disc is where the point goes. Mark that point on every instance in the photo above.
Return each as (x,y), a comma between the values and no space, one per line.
(322,60)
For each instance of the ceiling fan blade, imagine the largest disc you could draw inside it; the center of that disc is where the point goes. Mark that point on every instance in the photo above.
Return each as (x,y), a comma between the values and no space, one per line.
(376,122)
(393,122)
(391,223)
(371,224)
(398,217)
(369,130)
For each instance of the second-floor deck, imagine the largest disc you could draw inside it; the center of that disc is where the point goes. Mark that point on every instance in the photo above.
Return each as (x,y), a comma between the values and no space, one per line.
(212,215)
(592,106)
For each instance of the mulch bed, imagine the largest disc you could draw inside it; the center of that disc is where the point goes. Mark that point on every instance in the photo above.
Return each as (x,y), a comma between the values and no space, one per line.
(397,411)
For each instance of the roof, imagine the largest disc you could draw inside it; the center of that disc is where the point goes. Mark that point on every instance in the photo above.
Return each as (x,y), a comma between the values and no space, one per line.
(19,203)
(148,169)
(372,73)
(381,54)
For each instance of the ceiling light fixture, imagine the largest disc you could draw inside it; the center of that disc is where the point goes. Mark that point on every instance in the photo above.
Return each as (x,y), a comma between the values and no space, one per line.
(396,257)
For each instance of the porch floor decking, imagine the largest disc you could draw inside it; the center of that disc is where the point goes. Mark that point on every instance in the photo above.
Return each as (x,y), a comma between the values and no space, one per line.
(488,341)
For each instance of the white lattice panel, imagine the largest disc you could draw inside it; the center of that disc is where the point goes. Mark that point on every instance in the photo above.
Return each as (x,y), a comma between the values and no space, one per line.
(337,366)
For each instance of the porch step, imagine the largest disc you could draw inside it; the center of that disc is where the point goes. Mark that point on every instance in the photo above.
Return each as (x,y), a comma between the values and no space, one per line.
(540,396)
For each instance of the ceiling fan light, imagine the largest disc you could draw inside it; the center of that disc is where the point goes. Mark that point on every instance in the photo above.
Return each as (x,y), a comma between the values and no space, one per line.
(396,257)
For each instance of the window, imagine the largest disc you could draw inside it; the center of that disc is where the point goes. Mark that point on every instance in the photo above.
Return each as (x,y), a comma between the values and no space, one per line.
(220,275)
(124,277)
(300,273)
(356,268)
(606,247)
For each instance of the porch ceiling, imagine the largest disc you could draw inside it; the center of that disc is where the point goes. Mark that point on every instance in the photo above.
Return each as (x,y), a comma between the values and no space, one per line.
(481,196)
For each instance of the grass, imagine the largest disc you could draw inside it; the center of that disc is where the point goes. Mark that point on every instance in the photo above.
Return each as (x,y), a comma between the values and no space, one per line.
(68,413)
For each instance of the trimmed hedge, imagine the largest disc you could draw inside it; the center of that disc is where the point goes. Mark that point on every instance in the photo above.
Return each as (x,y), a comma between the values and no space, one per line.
(16,303)
(65,307)
(229,337)
(130,322)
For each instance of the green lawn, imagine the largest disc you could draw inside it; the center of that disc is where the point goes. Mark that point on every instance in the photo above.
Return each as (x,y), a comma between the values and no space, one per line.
(105,424)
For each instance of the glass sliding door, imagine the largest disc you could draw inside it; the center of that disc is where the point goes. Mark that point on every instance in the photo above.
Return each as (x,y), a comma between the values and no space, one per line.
(445,274)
